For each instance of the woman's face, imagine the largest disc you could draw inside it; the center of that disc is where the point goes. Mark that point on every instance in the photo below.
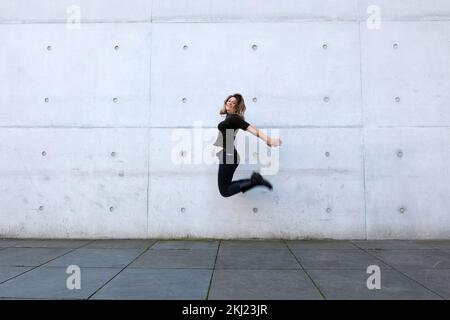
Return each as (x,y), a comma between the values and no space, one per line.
(231,105)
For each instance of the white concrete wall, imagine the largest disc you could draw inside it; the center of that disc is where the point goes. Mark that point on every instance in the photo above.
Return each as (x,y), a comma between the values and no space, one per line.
(94,160)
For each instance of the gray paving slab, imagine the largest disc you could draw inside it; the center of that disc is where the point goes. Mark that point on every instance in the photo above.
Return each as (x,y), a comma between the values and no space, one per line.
(186,245)
(203,259)
(51,283)
(7,273)
(159,284)
(120,244)
(262,285)
(255,259)
(320,244)
(111,258)
(5,243)
(437,280)
(253,244)
(23,257)
(393,244)
(336,259)
(435,244)
(352,285)
(43,243)
(414,259)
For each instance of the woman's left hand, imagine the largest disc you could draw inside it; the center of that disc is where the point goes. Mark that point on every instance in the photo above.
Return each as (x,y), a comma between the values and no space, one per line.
(274,142)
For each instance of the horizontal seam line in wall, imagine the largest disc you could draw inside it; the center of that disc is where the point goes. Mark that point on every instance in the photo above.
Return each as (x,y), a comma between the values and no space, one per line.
(210,127)
(178,127)
(284,20)
(217,21)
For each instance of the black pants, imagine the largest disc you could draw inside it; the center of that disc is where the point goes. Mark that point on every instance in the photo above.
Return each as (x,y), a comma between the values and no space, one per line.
(227,166)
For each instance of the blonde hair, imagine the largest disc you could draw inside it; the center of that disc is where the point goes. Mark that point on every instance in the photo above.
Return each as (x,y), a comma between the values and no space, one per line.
(240,107)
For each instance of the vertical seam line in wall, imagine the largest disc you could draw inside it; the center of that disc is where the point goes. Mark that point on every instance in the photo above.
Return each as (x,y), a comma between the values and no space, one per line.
(149,116)
(362,119)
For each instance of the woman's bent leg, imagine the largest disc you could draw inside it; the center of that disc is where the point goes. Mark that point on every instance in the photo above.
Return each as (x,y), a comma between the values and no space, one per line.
(227,188)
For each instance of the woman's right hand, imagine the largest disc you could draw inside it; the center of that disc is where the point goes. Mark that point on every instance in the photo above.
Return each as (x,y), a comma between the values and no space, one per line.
(274,142)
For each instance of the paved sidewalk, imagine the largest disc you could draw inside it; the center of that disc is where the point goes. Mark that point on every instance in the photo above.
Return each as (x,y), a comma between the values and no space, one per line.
(247,269)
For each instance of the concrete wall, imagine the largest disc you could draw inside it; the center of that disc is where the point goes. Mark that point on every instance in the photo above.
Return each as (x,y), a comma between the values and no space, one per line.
(87,117)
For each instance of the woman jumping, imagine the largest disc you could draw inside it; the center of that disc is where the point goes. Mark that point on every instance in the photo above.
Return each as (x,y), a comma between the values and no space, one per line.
(234,108)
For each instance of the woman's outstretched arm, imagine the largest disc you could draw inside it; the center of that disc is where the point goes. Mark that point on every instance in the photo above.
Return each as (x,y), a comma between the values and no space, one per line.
(268,140)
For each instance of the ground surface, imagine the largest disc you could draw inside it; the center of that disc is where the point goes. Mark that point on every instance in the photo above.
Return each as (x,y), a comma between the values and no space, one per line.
(222,269)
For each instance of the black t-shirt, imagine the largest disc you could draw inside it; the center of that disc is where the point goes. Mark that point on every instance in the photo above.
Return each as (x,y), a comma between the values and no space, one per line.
(232,121)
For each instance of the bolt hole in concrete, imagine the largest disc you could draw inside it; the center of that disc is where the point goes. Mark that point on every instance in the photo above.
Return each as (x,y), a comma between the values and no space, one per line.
(183,210)
(41,208)
(115,100)
(49,48)
(327,154)
(326,99)
(111,209)
(395,45)
(400,154)
(397,99)
(325,46)
(402,210)
(116,48)
(44,153)
(46,100)
(185,47)
(184,100)
(255,210)
(328,210)
(254,99)
(113,154)
(254,47)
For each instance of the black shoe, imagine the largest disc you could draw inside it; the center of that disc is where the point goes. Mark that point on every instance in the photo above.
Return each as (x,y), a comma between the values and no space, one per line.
(259,180)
